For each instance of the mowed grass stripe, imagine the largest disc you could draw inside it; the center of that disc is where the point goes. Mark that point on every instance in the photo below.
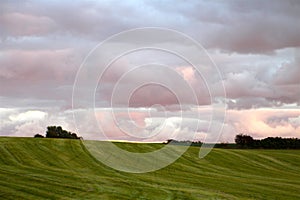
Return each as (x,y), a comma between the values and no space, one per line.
(34,168)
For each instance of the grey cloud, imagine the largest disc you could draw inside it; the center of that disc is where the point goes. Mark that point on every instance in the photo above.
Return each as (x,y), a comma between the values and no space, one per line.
(245,27)
(288,73)
(44,43)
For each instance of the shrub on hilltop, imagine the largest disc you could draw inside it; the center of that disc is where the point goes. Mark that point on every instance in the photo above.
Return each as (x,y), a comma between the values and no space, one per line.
(58,132)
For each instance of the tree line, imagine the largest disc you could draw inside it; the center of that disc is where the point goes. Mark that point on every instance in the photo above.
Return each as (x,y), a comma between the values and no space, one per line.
(247,142)
(58,132)
(185,142)
(243,141)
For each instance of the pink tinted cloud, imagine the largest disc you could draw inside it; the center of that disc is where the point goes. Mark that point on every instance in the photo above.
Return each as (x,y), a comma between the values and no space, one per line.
(20,24)
(37,65)
(145,86)
(188,74)
(32,77)
(137,125)
(137,117)
(262,123)
(118,124)
(150,95)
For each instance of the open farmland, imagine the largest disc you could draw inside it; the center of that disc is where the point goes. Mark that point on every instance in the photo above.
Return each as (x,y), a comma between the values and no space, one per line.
(33,168)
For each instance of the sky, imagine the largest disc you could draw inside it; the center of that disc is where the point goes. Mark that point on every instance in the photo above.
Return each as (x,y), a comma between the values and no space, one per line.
(246,81)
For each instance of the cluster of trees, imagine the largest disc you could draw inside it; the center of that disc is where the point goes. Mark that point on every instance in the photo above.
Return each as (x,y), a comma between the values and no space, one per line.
(187,142)
(246,141)
(58,132)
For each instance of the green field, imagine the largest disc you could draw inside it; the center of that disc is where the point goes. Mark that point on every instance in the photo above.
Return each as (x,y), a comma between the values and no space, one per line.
(33,168)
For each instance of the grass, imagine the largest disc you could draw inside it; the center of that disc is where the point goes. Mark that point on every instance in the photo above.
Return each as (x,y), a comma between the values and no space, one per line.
(32,168)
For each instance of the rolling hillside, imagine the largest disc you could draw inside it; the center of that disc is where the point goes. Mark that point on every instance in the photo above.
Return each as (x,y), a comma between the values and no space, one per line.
(33,168)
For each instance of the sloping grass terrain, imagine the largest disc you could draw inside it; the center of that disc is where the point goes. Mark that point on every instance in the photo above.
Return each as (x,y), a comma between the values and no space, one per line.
(32,168)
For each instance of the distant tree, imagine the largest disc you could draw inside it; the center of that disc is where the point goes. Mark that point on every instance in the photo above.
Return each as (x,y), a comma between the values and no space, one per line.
(184,142)
(58,132)
(52,132)
(74,136)
(244,141)
(223,145)
(38,136)
(196,143)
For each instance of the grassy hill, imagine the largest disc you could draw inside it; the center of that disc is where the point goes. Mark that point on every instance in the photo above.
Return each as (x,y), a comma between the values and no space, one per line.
(33,168)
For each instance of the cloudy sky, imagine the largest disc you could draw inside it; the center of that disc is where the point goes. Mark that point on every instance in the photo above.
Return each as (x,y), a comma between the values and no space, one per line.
(253,87)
